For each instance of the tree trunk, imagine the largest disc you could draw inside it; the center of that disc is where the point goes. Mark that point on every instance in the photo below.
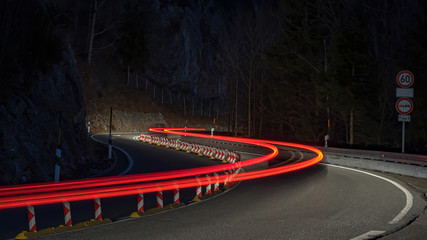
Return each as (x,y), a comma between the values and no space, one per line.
(352,113)
(249,107)
(229,97)
(260,114)
(91,31)
(236,98)
(351,126)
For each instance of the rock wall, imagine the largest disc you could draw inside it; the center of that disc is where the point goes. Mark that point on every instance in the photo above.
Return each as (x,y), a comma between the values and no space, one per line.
(125,121)
(39,81)
(184,45)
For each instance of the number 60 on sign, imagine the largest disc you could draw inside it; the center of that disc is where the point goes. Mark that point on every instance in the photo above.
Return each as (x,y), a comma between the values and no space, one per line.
(405,78)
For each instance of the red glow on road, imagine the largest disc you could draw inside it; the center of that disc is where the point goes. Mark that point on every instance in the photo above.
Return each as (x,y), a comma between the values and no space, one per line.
(49,193)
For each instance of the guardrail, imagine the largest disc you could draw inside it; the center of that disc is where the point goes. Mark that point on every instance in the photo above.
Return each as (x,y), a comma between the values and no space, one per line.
(398,163)
(404,158)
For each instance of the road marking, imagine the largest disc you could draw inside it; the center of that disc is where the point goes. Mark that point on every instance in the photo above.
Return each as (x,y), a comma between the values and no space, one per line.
(368,235)
(254,154)
(130,159)
(409,197)
(286,161)
(302,156)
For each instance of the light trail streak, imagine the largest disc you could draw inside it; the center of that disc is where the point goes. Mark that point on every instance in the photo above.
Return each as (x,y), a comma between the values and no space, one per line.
(75,190)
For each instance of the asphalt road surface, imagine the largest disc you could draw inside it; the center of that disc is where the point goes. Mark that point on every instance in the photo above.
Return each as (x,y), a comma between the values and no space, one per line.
(321,202)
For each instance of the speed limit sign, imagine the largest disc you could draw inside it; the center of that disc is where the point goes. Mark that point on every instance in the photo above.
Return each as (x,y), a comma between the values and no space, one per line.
(405,78)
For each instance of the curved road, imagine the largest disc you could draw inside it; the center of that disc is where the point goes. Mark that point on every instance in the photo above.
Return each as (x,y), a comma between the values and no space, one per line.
(321,202)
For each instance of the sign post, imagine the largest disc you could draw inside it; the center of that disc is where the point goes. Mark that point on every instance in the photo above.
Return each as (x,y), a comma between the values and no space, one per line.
(404,105)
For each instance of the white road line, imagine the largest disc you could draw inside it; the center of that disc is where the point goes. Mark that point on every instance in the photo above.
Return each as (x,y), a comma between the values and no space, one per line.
(254,154)
(368,235)
(130,159)
(409,197)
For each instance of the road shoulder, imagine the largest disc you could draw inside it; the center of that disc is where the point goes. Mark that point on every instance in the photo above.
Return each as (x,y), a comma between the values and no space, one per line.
(416,229)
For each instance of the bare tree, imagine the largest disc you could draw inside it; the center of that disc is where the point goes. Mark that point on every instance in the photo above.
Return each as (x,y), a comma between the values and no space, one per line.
(110,25)
(256,30)
(92,22)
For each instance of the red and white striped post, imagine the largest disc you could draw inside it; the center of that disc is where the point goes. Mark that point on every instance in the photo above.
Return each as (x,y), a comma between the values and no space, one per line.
(216,185)
(228,156)
(140,202)
(31,218)
(188,147)
(223,156)
(226,180)
(159,199)
(218,153)
(211,153)
(208,187)
(98,212)
(198,190)
(177,145)
(67,213)
(199,150)
(176,196)
(233,157)
(233,173)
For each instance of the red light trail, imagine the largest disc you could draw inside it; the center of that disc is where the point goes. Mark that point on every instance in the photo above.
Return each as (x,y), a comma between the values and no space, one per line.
(74,190)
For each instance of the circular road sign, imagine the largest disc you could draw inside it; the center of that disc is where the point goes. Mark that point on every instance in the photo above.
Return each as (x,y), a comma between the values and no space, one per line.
(404,106)
(405,78)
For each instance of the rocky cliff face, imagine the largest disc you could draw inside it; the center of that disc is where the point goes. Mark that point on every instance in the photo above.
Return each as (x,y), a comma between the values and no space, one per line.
(182,39)
(184,42)
(174,43)
(39,81)
(180,52)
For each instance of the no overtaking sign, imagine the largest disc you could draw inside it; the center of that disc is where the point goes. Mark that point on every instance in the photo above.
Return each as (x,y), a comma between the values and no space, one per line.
(404,106)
